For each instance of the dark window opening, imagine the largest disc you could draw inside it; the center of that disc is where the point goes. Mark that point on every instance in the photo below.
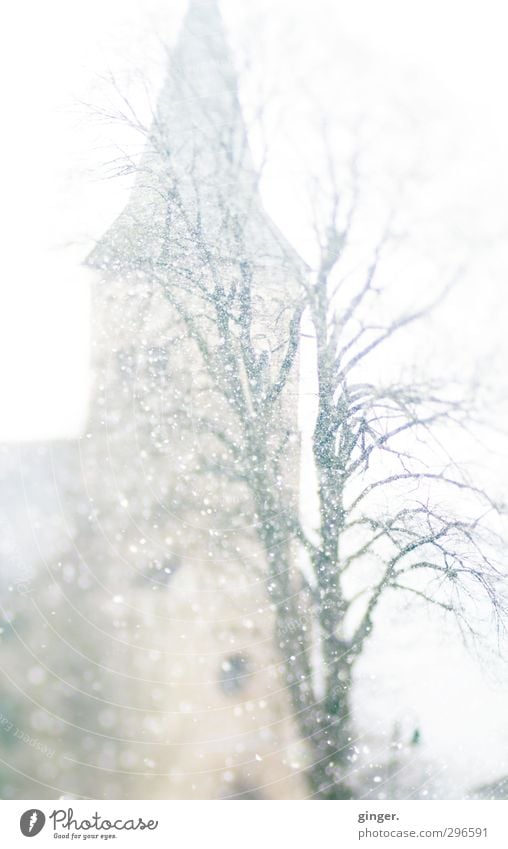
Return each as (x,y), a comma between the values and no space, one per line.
(234,674)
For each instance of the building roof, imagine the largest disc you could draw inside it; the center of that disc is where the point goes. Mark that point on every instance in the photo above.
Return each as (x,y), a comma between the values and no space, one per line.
(196,172)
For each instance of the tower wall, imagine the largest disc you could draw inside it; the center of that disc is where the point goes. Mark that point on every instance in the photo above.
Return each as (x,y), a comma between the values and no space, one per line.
(163,675)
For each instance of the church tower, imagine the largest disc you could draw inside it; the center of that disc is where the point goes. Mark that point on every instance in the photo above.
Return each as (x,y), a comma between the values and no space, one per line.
(164,679)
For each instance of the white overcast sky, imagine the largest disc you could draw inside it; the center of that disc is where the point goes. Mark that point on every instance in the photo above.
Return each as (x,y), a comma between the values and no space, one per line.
(451,53)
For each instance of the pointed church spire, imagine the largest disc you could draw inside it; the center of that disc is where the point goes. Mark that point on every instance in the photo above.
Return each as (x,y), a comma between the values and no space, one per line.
(202,15)
(198,138)
(203,24)
(197,161)
(202,78)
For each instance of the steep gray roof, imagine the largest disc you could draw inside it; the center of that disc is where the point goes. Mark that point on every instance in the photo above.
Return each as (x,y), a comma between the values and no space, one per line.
(196,173)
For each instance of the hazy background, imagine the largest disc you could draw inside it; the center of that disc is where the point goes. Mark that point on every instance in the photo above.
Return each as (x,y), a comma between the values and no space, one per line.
(429,80)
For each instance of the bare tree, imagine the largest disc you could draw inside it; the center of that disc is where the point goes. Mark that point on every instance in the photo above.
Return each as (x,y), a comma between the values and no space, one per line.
(396,513)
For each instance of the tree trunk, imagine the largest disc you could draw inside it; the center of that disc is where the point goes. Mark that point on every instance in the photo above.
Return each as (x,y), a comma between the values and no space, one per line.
(331,745)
